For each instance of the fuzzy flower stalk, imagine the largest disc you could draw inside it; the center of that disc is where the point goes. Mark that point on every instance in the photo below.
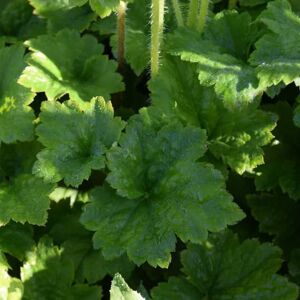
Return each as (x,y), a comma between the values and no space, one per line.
(178,13)
(204,6)
(232,4)
(193,13)
(157,26)
(121,14)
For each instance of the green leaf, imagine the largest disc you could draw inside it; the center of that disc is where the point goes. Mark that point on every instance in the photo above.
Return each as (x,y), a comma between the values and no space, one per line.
(16,239)
(72,14)
(251,3)
(294,266)
(96,267)
(104,7)
(165,193)
(224,268)
(78,18)
(17,159)
(24,199)
(232,32)
(48,8)
(17,21)
(278,216)
(282,162)
(16,117)
(282,63)
(73,151)
(121,291)
(46,273)
(67,63)
(90,265)
(235,135)
(10,288)
(233,79)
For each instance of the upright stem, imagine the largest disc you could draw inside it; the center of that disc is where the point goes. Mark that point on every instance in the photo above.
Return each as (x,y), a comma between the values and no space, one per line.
(178,12)
(203,15)
(157,26)
(121,12)
(232,4)
(193,13)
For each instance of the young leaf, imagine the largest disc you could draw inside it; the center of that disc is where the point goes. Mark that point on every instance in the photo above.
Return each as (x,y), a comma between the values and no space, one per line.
(16,117)
(223,268)
(282,63)
(72,151)
(104,7)
(165,193)
(67,63)
(121,291)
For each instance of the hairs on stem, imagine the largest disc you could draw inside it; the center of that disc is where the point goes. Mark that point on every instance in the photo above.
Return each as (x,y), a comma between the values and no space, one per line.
(203,15)
(121,13)
(157,25)
(178,13)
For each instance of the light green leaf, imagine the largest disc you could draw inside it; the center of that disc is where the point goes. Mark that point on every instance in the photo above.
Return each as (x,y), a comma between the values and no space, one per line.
(104,7)
(16,117)
(73,151)
(10,288)
(233,79)
(235,135)
(223,268)
(24,199)
(282,63)
(165,193)
(77,18)
(121,291)
(48,8)
(67,63)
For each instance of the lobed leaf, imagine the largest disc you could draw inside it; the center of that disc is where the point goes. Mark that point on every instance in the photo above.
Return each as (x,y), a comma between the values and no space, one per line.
(224,268)
(76,138)
(67,63)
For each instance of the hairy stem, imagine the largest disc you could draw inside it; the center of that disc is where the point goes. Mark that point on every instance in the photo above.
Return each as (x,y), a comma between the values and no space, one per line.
(232,4)
(203,15)
(157,25)
(121,12)
(178,12)
(193,14)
